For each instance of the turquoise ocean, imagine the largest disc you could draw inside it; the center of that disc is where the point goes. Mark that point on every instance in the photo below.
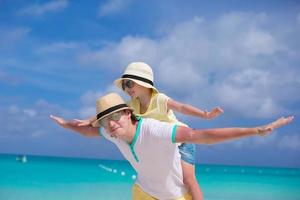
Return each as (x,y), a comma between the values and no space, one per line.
(56,178)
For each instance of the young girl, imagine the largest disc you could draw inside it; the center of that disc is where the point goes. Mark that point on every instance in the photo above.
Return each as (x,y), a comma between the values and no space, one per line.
(148,102)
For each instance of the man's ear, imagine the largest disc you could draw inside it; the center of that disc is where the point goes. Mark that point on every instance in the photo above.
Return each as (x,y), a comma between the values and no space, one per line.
(128,112)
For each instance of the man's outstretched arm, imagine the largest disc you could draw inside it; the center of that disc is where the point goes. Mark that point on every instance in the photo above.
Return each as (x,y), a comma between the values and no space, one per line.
(87,130)
(217,135)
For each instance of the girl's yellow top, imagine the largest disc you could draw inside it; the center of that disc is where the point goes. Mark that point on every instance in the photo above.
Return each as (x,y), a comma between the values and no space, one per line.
(157,109)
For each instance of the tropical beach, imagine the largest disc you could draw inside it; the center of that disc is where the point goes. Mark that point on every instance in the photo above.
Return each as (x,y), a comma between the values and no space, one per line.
(80,179)
(215,64)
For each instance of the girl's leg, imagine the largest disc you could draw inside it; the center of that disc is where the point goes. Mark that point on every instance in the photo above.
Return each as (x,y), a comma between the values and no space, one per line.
(190,180)
(187,152)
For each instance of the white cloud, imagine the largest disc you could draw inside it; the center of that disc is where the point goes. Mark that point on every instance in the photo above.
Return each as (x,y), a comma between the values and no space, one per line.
(87,112)
(129,49)
(235,60)
(291,142)
(13,109)
(30,112)
(29,122)
(89,98)
(274,140)
(38,133)
(237,21)
(105,58)
(182,74)
(41,9)
(258,42)
(12,36)
(113,6)
(256,141)
(248,92)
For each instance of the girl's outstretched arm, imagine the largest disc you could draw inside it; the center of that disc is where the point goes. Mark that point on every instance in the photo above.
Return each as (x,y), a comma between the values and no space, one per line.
(85,122)
(217,135)
(193,111)
(87,130)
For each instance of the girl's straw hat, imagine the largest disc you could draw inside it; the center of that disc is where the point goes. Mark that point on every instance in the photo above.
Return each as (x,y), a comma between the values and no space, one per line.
(140,73)
(107,105)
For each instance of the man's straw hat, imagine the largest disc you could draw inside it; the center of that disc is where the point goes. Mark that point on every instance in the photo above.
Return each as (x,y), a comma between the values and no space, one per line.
(140,73)
(107,105)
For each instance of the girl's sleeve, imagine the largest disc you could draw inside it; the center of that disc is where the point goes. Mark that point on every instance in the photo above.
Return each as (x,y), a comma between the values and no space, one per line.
(162,101)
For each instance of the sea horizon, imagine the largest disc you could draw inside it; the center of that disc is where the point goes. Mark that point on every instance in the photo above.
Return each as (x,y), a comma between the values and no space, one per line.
(26,177)
(123,160)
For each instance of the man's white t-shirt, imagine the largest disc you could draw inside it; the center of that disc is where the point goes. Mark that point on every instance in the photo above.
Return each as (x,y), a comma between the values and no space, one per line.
(154,155)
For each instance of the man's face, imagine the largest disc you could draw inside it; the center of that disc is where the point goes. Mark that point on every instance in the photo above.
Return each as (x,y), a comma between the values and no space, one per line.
(117,123)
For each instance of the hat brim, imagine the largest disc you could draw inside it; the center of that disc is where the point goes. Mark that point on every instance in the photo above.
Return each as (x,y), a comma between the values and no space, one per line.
(95,123)
(118,83)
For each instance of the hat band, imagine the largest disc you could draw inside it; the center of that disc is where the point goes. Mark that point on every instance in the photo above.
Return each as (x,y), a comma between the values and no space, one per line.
(138,78)
(111,109)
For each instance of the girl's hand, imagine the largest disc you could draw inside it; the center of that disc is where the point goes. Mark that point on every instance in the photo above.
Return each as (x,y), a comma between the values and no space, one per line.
(85,122)
(214,113)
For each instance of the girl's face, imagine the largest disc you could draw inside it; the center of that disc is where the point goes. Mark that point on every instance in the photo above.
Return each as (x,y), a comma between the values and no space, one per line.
(133,89)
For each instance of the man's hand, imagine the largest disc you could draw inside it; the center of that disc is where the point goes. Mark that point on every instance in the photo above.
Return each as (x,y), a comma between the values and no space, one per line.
(60,121)
(85,122)
(86,130)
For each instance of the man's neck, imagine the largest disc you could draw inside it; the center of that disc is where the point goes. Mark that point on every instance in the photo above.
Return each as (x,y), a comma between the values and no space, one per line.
(132,131)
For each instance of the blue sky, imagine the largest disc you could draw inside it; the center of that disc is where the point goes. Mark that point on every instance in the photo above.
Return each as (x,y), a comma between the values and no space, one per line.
(58,57)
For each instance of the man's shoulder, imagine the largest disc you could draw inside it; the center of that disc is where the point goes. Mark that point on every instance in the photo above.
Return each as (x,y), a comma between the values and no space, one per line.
(151,124)
(151,121)
(157,131)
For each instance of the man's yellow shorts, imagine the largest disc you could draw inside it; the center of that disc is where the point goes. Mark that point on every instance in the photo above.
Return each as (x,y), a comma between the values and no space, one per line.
(139,194)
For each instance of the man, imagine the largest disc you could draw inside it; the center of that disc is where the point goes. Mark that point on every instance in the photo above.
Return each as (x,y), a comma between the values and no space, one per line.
(151,146)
